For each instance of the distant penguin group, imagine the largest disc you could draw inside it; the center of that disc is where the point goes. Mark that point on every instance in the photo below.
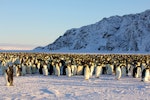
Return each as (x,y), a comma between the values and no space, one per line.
(89,66)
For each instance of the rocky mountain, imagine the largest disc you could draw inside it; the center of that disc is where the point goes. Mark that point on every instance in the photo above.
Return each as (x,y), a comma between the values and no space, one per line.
(114,34)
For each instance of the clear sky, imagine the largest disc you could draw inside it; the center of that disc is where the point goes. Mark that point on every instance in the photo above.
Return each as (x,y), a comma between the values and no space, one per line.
(26,24)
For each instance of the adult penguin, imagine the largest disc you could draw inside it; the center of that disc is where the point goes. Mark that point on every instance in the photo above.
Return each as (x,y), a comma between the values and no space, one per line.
(17,70)
(137,72)
(45,70)
(34,69)
(80,70)
(92,69)
(41,67)
(8,75)
(38,67)
(109,68)
(98,70)
(3,64)
(62,66)
(64,70)
(29,68)
(68,71)
(128,68)
(61,70)
(104,68)
(57,69)
(143,65)
(145,74)
(51,70)
(74,69)
(123,70)
(86,72)
(23,72)
(118,72)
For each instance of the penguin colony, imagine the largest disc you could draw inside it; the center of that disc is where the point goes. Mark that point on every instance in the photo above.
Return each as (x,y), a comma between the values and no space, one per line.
(88,65)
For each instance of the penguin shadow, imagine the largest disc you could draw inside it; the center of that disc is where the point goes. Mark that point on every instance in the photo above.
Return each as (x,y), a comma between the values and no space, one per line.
(4,85)
(46,91)
(107,77)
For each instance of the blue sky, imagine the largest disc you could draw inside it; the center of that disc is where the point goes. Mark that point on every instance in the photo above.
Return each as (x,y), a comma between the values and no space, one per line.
(26,24)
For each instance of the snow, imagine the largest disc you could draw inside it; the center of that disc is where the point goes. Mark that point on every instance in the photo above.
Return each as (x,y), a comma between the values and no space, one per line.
(39,87)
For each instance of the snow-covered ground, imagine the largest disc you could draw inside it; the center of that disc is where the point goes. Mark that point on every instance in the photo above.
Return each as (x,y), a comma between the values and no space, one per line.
(39,87)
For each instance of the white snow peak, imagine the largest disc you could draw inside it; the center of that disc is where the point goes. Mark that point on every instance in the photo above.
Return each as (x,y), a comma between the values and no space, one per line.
(128,33)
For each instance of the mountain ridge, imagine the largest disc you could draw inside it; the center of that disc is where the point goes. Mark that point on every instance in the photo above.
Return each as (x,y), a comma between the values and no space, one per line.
(117,33)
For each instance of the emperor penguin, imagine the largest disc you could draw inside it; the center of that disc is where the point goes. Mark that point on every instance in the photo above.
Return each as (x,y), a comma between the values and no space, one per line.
(61,68)
(8,75)
(146,74)
(57,69)
(51,71)
(143,65)
(17,61)
(38,67)
(79,70)
(3,67)
(104,69)
(28,68)
(137,72)
(128,68)
(98,71)
(45,70)
(68,71)
(41,67)
(34,69)
(23,72)
(123,70)
(74,69)
(118,72)
(86,72)
(17,70)
(132,66)
(92,69)
(109,68)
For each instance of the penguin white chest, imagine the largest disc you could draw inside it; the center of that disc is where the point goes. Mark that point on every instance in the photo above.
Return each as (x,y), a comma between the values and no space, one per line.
(86,73)
(45,70)
(91,70)
(23,70)
(98,71)
(118,73)
(147,76)
(57,72)
(68,71)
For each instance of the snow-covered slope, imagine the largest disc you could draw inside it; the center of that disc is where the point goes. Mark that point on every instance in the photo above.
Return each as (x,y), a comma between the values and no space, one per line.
(117,33)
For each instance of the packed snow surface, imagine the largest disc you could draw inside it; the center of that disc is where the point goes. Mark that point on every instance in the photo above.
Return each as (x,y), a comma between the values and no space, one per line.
(39,87)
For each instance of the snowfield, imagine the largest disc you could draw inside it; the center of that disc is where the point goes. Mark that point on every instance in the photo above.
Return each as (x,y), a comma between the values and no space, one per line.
(39,87)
